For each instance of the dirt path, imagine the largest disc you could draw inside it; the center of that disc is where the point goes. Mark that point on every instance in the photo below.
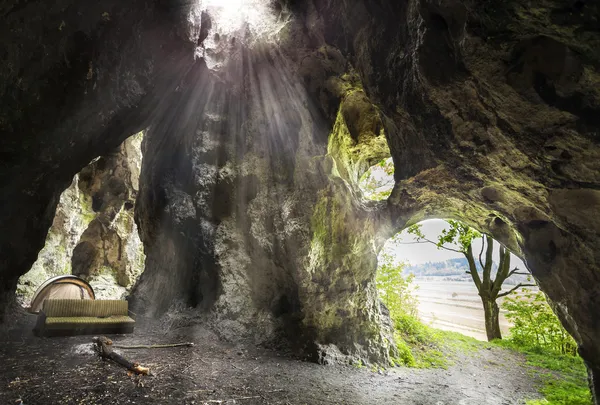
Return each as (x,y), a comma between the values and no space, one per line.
(66,371)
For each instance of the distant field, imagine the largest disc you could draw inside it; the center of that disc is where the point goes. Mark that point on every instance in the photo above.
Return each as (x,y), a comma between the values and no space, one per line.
(454,306)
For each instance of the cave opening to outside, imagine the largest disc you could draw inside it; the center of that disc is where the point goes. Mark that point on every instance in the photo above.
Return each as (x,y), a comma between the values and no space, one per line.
(441,287)
(424,278)
(94,235)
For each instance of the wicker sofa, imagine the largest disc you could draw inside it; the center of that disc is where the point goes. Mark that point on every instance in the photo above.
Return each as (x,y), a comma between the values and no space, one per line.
(65,317)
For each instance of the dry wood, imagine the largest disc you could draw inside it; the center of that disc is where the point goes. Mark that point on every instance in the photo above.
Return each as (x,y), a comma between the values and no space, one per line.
(104,349)
(187,344)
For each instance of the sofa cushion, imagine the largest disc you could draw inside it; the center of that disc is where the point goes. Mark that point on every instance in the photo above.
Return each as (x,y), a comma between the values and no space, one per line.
(84,308)
(87,320)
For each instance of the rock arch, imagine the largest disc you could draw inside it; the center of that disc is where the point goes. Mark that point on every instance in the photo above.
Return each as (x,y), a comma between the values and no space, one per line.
(490,137)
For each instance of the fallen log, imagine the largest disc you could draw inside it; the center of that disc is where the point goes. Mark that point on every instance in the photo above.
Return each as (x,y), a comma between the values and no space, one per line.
(165,346)
(104,349)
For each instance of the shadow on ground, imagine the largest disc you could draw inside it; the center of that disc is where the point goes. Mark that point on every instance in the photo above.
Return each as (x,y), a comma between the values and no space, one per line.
(67,371)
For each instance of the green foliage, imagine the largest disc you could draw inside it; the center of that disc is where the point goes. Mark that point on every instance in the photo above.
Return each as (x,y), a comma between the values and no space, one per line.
(388,166)
(535,325)
(377,182)
(395,290)
(559,391)
(565,384)
(416,343)
(359,364)
(457,234)
(405,356)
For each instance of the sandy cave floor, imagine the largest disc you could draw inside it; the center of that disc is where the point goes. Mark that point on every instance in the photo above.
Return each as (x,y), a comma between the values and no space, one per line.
(65,370)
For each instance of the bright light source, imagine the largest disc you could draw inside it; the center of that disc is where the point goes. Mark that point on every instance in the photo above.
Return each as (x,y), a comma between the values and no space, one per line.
(230,15)
(242,19)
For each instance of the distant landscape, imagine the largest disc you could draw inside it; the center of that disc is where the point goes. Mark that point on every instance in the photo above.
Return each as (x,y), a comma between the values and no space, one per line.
(448,298)
(454,270)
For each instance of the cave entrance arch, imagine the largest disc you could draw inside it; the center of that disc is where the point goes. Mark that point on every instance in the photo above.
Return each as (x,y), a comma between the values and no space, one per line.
(94,235)
(434,271)
(445,294)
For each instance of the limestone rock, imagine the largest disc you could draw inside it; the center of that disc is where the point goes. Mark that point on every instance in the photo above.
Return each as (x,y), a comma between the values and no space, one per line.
(469,95)
(73,215)
(94,233)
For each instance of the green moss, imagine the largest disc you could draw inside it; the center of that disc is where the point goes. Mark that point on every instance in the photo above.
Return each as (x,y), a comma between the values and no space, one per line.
(108,271)
(341,237)
(87,213)
(358,364)
(354,155)
(338,261)
(138,138)
(30,281)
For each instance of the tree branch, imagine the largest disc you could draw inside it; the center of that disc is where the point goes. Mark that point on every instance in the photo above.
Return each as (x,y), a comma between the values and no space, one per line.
(481,252)
(503,269)
(489,260)
(472,267)
(504,294)
(433,243)
(516,271)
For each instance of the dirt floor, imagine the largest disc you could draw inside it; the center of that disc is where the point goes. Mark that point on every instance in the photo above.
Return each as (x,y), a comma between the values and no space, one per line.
(40,371)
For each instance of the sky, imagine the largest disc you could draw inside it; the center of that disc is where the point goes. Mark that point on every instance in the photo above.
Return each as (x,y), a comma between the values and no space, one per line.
(426,252)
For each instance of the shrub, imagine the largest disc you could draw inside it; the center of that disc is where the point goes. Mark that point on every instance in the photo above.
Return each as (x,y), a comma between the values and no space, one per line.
(535,325)
(416,343)
(395,290)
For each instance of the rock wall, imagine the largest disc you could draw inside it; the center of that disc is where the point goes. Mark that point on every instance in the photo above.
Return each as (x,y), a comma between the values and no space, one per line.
(73,215)
(76,80)
(109,253)
(489,110)
(243,201)
(94,234)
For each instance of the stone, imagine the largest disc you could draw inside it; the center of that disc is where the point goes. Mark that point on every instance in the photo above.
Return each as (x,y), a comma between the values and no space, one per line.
(466,100)
(73,215)
(89,239)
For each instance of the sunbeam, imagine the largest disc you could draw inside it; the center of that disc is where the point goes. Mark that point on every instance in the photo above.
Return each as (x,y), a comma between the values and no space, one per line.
(220,24)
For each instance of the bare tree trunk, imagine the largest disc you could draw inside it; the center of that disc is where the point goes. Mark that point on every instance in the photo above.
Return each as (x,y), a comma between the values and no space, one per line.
(492,321)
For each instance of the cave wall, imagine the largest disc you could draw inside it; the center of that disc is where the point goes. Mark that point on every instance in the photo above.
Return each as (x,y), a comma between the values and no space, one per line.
(491,115)
(76,80)
(73,215)
(489,109)
(109,253)
(252,209)
(93,234)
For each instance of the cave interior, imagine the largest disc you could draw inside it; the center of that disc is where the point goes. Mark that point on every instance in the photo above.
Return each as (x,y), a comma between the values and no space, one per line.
(259,119)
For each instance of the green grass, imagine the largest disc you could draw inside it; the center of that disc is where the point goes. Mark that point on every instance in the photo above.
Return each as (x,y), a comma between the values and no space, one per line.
(564,377)
(455,342)
(418,345)
(421,346)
